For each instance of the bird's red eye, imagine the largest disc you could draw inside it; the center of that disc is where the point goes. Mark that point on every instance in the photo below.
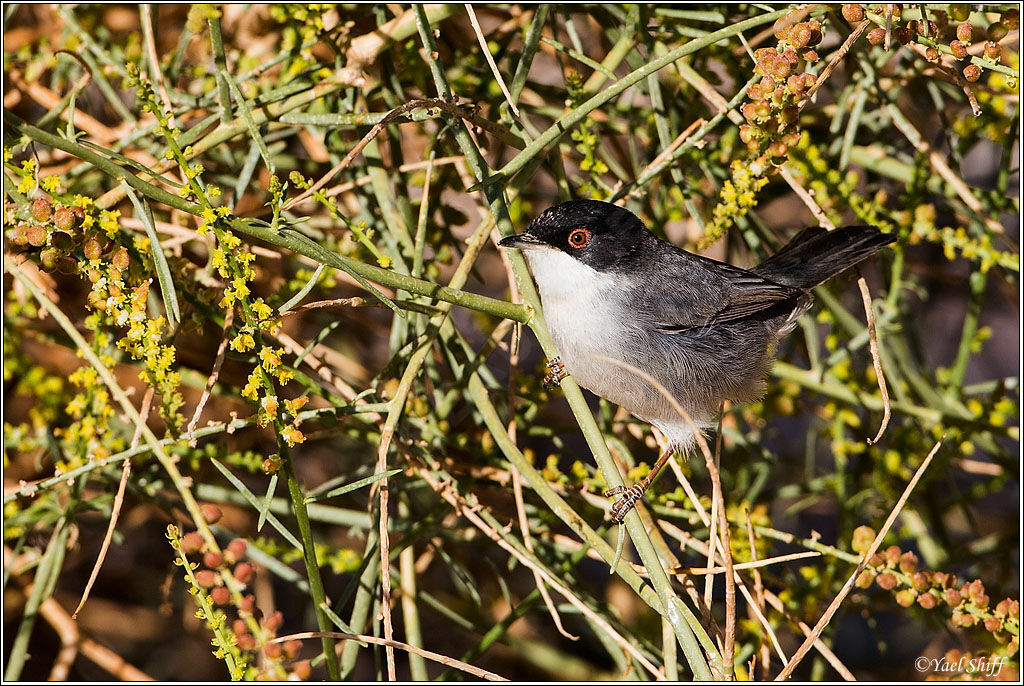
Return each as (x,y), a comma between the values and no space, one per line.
(579,238)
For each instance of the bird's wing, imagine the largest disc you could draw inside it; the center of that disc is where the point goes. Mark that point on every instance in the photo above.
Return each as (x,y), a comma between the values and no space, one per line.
(696,292)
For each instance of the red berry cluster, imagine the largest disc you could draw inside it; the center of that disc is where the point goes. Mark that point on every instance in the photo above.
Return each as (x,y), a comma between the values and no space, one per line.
(208,576)
(772,113)
(58,233)
(896,570)
(953,28)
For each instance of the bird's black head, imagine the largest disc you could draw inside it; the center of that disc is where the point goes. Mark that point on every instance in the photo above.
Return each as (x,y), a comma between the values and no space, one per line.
(598,234)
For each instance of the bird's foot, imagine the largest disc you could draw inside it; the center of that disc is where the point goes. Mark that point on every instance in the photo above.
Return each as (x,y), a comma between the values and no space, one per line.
(630,496)
(556,372)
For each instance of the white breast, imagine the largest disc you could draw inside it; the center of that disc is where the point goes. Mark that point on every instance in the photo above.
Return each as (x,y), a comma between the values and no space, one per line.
(580,306)
(583,309)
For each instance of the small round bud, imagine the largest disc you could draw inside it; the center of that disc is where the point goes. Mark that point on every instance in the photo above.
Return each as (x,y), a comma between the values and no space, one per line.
(245,642)
(959,12)
(816,34)
(1012,19)
(887,581)
(302,670)
(92,249)
(908,562)
(964,32)
(778,149)
(36,235)
(48,258)
(997,30)
(273,622)
(927,601)
(863,536)
(921,581)
(62,241)
(810,55)
(959,49)
(865,578)
(211,513)
(783,27)
(212,559)
(853,13)
(192,542)
(953,597)
(237,548)
(779,68)
(19,234)
(992,50)
(273,650)
(800,36)
(906,597)
(972,72)
(41,209)
(892,554)
(993,624)
(876,36)
(292,648)
(244,573)
(207,578)
(65,219)
(120,259)
(220,595)
(902,34)
(248,603)
(931,54)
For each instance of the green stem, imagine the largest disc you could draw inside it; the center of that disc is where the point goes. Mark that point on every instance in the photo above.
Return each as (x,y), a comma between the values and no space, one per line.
(672,607)
(217,44)
(568,122)
(316,586)
(499,308)
(978,281)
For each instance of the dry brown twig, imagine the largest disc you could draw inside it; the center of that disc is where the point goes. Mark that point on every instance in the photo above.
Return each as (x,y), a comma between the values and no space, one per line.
(468,510)
(490,59)
(876,359)
(222,349)
(765,654)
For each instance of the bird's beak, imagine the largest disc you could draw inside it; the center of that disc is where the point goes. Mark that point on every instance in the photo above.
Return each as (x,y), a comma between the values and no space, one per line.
(519,240)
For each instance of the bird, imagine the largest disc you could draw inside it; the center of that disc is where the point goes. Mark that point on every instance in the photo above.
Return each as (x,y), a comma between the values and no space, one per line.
(618,299)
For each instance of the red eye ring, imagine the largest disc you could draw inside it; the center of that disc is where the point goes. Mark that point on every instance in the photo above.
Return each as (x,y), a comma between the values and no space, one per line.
(579,238)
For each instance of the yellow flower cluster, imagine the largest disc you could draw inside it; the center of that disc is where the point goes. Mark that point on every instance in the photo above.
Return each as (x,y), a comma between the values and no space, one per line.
(738,195)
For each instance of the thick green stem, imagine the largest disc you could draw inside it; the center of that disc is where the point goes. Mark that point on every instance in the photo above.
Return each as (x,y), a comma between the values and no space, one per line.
(316,585)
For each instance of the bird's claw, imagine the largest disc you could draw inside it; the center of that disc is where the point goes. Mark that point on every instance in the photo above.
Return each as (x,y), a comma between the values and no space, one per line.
(556,372)
(622,506)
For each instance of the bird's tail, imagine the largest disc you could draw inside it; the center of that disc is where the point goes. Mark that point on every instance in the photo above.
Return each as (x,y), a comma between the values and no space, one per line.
(815,254)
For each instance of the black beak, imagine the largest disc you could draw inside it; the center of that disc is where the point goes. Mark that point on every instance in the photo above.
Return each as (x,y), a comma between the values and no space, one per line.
(519,240)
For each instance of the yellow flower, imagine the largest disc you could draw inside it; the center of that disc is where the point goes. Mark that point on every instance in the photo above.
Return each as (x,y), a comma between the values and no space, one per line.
(292,435)
(243,342)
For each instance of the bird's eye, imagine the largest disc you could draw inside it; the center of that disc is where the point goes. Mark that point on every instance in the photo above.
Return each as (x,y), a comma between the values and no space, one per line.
(579,238)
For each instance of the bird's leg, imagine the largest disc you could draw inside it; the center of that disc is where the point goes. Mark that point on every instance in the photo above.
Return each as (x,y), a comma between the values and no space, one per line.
(631,494)
(556,372)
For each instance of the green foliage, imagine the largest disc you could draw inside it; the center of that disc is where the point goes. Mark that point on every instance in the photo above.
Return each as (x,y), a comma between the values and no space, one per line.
(370,462)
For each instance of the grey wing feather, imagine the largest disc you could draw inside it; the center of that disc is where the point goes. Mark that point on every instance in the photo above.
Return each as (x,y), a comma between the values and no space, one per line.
(700,292)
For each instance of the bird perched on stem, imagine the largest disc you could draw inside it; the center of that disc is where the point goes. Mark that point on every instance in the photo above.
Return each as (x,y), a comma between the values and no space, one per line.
(704,330)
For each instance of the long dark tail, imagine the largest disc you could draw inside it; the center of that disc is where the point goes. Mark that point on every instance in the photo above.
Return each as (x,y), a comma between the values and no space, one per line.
(815,255)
